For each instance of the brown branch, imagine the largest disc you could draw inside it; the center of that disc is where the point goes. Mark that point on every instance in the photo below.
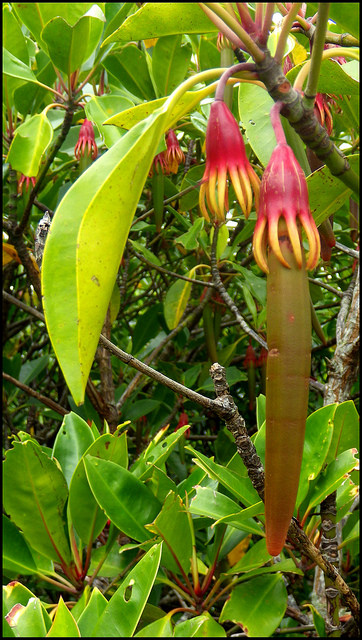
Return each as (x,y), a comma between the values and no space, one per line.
(35,394)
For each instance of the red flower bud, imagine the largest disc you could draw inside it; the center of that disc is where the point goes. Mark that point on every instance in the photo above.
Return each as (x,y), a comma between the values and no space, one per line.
(27,180)
(225,156)
(86,139)
(183,420)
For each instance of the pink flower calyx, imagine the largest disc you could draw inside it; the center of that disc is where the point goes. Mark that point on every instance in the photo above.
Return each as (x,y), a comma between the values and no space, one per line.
(284,196)
(27,180)
(86,138)
(225,158)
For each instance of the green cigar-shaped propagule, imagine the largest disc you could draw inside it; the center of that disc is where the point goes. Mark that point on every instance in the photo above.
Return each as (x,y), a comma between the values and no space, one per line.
(278,250)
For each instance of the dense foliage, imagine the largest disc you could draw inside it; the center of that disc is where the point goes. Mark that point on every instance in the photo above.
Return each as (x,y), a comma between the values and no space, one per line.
(130,504)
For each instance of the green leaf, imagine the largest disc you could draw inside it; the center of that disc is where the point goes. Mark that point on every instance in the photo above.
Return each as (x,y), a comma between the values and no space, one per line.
(170,60)
(346,15)
(30,621)
(29,144)
(17,556)
(87,517)
(213,504)
(172,524)
(156,453)
(326,192)
(332,79)
(83,250)
(15,68)
(154,21)
(13,38)
(100,108)
(176,300)
(332,477)
(14,593)
(123,611)
(254,558)
(258,605)
(89,618)
(69,46)
(345,431)
(203,626)
(190,239)
(209,55)
(31,369)
(125,499)
(254,109)
(129,68)
(241,487)
(73,439)
(146,328)
(318,435)
(318,621)
(161,628)
(140,248)
(35,493)
(64,625)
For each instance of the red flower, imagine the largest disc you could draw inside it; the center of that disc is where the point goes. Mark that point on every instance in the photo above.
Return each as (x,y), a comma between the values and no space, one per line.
(250,359)
(183,420)
(225,156)
(168,161)
(322,111)
(284,193)
(27,180)
(86,138)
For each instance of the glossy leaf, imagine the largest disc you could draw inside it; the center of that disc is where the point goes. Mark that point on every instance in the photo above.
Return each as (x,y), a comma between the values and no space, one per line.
(240,486)
(318,621)
(333,79)
(17,556)
(332,477)
(100,108)
(170,60)
(129,68)
(345,431)
(15,68)
(125,500)
(76,260)
(153,21)
(203,626)
(258,605)
(69,46)
(172,524)
(254,558)
(13,37)
(254,109)
(89,618)
(35,493)
(156,453)
(326,192)
(64,625)
(317,440)
(123,611)
(29,621)
(73,439)
(161,628)
(213,504)
(190,239)
(29,144)
(87,517)
(176,300)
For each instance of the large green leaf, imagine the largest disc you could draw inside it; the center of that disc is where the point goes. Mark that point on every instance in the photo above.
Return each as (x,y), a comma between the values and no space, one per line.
(17,556)
(122,613)
(213,504)
(85,245)
(99,108)
(169,63)
(35,493)
(29,144)
(30,620)
(335,474)
(154,20)
(87,517)
(172,524)
(333,78)
(258,605)
(35,15)
(254,109)
(13,37)
(156,453)
(176,300)
(69,46)
(130,69)
(125,499)
(317,440)
(64,625)
(72,440)
(88,619)
(203,626)
(161,628)
(345,14)
(326,192)
(346,430)
(15,68)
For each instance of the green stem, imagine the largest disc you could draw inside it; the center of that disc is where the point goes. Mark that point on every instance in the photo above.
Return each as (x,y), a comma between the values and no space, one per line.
(236,27)
(317,53)
(284,32)
(226,60)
